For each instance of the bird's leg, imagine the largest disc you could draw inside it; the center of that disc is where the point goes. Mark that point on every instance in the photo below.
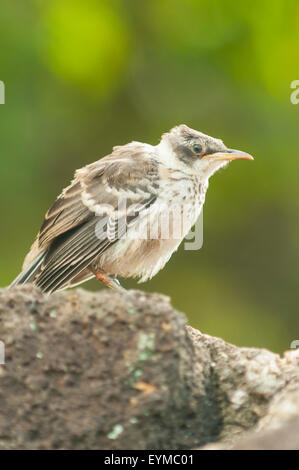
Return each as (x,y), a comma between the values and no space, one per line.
(109,281)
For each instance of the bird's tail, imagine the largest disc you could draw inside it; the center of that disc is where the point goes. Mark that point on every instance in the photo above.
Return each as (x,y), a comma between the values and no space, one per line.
(30,272)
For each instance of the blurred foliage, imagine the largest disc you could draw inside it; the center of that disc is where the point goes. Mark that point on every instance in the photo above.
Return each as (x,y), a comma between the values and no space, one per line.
(84,76)
(86,43)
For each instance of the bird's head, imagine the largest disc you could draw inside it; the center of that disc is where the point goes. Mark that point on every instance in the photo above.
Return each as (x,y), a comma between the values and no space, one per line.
(195,152)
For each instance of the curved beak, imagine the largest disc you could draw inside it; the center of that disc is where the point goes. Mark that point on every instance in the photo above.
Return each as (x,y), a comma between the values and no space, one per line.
(230,154)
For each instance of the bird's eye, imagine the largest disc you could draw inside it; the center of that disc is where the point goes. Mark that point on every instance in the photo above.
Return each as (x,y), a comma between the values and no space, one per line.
(197,148)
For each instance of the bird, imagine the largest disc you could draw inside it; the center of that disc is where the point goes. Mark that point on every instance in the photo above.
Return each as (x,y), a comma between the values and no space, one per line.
(108,222)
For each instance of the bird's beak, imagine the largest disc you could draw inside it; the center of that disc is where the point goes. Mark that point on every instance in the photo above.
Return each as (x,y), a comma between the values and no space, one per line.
(230,154)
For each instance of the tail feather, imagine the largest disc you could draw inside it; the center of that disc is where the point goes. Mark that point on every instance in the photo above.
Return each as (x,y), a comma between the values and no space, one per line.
(30,272)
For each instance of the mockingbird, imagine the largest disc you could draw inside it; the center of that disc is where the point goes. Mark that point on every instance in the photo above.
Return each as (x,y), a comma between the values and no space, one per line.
(125,214)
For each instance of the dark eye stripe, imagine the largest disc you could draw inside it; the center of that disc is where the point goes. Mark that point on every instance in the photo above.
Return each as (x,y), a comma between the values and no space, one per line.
(211,150)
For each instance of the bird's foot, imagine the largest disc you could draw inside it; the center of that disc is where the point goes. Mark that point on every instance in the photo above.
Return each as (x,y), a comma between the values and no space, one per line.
(108,280)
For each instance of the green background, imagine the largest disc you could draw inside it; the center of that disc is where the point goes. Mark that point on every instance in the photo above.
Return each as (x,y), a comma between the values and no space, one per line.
(82,76)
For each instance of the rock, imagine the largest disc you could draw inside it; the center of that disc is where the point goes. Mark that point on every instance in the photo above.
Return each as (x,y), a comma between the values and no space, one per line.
(284,437)
(123,371)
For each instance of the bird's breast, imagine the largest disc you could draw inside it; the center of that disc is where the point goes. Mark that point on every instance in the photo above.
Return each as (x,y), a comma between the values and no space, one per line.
(184,196)
(150,242)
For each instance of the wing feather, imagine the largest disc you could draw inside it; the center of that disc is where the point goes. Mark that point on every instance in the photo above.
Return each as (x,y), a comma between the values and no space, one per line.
(114,192)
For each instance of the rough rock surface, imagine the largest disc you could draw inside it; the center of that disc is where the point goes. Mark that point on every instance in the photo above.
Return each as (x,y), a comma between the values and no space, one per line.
(123,371)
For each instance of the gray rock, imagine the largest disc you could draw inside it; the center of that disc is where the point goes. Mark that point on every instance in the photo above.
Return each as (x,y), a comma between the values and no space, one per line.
(109,370)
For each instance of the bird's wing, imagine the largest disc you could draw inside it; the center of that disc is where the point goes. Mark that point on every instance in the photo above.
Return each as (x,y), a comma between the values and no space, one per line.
(107,196)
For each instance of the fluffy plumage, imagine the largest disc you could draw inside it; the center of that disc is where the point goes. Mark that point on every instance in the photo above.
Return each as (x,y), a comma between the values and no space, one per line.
(90,226)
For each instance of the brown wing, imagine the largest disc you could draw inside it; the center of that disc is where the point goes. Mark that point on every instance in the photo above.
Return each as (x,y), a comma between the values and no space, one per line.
(67,212)
(97,183)
(97,195)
